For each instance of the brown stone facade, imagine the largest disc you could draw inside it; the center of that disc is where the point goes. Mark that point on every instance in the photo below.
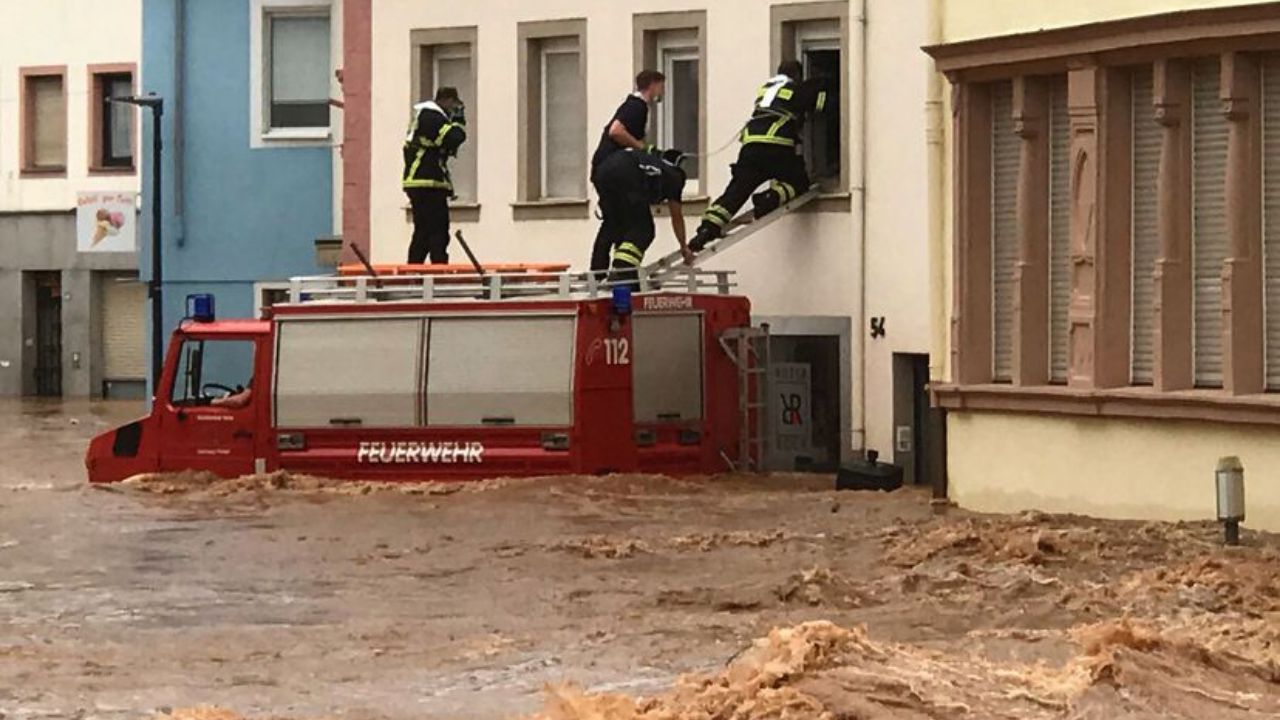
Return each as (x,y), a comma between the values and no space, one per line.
(1098,62)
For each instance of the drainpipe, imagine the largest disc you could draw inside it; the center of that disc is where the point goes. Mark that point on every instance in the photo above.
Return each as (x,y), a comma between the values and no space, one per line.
(177,105)
(935,138)
(860,191)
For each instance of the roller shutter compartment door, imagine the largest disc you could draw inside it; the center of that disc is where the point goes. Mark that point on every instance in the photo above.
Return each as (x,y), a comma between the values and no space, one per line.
(1271,213)
(500,371)
(333,373)
(1005,161)
(1059,230)
(1209,240)
(1147,139)
(667,367)
(124,346)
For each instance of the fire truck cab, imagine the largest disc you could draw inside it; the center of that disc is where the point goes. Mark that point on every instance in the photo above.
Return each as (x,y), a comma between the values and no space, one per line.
(460,377)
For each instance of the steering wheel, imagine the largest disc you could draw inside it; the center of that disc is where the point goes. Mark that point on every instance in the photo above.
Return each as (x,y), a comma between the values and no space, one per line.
(204,389)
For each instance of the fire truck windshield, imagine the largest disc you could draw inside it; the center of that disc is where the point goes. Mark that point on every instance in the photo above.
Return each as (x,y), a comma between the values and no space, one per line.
(212,371)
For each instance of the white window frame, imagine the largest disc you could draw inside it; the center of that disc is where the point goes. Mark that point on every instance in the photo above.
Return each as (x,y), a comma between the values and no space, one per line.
(551,46)
(458,51)
(676,46)
(260,13)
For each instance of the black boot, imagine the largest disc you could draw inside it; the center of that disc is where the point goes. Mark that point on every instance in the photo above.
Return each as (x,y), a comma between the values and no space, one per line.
(705,235)
(764,203)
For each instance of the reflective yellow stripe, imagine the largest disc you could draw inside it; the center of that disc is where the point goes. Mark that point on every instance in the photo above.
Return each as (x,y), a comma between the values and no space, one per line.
(413,169)
(720,210)
(714,219)
(628,254)
(784,93)
(822,100)
(767,140)
(785,190)
(432,184)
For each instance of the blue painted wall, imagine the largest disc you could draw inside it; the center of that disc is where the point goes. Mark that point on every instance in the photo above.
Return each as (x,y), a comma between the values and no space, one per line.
(245,214)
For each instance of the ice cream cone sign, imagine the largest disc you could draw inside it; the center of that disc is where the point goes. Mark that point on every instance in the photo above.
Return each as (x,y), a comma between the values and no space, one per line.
(107,224)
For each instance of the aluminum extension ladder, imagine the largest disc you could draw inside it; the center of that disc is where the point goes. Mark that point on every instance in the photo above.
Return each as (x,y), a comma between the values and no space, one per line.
(748,348)
(740,228)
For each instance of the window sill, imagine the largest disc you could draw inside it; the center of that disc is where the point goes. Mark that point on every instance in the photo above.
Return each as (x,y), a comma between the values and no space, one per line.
(297,136)
(1129,402)
(556,209)
(97,171)
(467,212)
(830,202)
(35,173)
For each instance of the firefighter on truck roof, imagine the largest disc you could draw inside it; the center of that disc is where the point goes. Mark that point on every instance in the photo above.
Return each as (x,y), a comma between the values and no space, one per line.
(436,132)
(630,182)
(770,151)
(625,130)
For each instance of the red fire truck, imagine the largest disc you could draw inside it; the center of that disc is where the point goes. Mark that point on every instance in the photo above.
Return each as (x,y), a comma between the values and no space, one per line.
(457,376)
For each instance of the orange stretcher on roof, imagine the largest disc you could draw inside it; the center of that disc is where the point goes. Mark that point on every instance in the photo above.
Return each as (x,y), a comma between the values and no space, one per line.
(357,269)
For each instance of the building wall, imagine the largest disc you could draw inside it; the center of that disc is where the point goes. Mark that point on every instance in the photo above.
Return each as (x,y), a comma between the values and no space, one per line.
(808,266)
(234,214)
(37,214)
(1108,468)
(971,19)
(1096,445)
(60,32)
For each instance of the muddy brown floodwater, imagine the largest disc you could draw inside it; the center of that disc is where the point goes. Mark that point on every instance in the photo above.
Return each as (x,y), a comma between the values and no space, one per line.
(600,598)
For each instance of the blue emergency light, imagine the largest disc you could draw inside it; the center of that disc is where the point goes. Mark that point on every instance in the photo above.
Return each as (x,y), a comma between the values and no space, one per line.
(622,301)
(200,308)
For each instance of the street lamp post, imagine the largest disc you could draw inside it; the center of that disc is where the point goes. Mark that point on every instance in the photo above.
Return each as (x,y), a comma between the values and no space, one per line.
(155,289)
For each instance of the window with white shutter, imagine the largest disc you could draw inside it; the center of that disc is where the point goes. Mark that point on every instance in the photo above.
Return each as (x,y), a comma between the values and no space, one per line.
(1209,233)
(45,105)
(1271,214)
(1005,160)
(1059,229)
(678,122)
(1147,139)
(563,121)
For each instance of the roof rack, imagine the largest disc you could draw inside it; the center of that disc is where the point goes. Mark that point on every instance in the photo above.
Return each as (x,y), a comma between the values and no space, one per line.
(493,287)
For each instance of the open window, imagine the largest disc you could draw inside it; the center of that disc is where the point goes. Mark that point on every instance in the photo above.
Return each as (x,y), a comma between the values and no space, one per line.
(818,48)
(213,373)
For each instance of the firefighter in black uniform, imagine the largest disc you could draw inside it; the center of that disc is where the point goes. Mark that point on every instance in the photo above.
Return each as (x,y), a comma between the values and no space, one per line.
(630,182)
(625,130)
(437,131)
(770,151)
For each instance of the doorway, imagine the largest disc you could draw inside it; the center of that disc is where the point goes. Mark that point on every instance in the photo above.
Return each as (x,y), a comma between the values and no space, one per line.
(912,443)
(48,336)
(805,407)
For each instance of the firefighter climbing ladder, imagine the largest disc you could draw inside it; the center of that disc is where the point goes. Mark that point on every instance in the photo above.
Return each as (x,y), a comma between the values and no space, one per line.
(739,229)
(748,347)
